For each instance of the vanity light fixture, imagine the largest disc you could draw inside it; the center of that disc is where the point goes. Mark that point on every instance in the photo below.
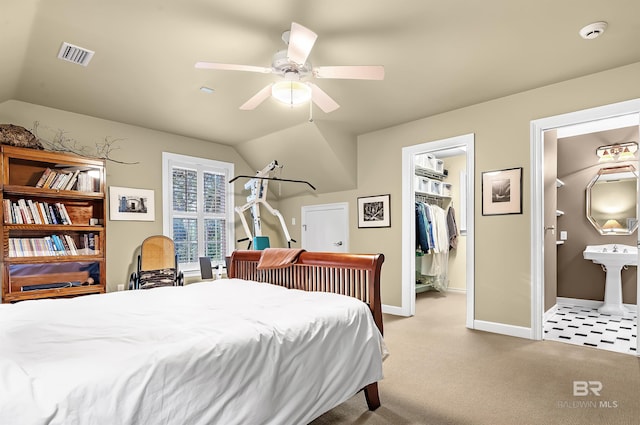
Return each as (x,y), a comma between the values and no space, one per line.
(612,225)
(617,152)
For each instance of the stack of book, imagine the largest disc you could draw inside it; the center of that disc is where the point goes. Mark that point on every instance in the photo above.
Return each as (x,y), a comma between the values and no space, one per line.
(68,179)
(27,211)
(53,245)
(59,180)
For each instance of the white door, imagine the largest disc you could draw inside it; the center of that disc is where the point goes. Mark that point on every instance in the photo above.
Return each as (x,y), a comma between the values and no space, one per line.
(325,228)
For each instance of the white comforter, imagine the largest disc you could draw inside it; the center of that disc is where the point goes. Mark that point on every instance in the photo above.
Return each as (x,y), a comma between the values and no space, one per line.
(222,352)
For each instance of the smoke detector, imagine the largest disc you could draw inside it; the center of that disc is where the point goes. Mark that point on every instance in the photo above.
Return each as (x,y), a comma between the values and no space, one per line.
(593,30)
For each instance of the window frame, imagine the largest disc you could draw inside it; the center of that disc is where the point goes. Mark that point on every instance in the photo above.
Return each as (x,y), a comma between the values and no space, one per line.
(172,160)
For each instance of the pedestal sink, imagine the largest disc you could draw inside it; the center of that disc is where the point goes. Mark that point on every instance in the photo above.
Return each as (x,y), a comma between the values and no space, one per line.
(613,257)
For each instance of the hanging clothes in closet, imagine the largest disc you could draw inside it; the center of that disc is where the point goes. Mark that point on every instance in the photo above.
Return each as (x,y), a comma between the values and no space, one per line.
(436,233)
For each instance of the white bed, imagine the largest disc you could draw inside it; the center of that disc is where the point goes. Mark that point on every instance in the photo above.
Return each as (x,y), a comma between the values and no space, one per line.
(226,352)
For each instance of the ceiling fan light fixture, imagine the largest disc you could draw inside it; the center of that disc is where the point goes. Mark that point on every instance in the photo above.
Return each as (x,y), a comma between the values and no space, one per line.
(291,93)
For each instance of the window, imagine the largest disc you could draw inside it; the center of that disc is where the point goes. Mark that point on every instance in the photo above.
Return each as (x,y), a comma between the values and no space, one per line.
(198,209)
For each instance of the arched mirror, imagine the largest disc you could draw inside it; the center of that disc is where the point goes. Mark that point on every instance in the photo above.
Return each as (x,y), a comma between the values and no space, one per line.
(612,200)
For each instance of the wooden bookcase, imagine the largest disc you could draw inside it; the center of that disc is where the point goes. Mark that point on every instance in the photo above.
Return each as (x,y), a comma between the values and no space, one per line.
(60,253)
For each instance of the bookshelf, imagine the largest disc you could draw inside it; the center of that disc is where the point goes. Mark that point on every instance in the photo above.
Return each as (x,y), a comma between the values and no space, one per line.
(53,234)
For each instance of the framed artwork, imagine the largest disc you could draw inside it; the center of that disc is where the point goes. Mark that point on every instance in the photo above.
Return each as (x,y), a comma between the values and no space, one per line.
(131,204)
(374,211)
(502,192)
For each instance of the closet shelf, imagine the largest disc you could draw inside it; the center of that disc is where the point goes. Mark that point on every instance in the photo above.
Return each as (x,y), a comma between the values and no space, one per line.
(427,172)
(430,198)
(432,194)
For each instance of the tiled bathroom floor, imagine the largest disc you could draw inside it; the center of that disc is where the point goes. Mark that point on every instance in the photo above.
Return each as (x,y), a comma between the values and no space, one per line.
(585,326)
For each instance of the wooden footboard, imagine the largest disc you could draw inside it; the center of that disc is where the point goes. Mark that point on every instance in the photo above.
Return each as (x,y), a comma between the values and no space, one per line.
(355,275)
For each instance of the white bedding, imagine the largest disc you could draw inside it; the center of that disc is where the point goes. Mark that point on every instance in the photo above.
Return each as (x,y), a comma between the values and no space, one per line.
(223,352)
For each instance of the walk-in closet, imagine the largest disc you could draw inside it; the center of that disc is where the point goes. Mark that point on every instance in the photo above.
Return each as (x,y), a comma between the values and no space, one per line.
(438,177)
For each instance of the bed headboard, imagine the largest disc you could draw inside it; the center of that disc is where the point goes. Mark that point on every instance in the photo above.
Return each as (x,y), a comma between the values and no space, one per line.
(355,275)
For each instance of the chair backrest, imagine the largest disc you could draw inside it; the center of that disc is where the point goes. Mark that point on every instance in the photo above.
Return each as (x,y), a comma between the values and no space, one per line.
(157,252)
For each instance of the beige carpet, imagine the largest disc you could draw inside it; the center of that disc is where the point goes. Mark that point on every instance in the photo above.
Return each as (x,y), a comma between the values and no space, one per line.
(439,372)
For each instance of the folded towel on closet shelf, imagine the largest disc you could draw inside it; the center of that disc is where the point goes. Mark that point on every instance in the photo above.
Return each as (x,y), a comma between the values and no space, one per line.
(278,258)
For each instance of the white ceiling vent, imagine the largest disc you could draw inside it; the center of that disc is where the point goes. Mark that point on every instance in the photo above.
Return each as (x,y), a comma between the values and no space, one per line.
(75,54)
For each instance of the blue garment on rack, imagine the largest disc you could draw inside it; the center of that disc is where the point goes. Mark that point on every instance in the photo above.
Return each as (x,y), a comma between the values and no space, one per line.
(422,240)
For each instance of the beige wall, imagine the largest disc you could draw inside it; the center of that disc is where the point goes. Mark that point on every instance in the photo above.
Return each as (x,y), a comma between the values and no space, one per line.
(502,140)
(139,145)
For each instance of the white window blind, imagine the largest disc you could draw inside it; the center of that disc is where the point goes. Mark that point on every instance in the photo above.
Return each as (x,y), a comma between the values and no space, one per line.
(198,209)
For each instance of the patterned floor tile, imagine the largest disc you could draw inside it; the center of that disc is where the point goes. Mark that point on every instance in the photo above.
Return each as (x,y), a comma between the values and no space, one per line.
(587,327)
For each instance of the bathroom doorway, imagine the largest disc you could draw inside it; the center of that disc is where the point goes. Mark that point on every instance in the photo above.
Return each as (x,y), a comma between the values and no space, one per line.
(547,240)
(462,149)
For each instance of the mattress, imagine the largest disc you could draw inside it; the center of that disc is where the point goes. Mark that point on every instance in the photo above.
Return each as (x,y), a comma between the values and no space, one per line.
(226,352)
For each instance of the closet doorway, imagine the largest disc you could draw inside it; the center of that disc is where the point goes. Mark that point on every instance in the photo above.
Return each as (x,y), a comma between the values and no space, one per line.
(460,149)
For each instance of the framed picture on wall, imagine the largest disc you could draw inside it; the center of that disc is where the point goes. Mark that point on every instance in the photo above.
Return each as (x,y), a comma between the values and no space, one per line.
(374,211)
(126,203)
(502,192)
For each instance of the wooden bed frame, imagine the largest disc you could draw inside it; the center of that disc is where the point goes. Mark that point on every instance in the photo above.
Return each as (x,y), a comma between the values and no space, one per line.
(354,275)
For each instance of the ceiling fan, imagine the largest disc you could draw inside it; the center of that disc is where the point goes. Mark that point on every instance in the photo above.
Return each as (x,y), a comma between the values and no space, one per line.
(292,65)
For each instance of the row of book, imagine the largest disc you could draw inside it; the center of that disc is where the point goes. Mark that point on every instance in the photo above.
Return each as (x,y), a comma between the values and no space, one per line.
(54,245)
(67,180)
(33,212)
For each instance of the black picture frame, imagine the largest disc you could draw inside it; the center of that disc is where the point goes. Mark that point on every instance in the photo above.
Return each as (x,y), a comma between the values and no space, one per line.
(374,211)
(502,191)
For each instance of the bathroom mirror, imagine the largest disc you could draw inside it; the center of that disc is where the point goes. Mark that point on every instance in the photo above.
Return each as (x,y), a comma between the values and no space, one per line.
(612,200)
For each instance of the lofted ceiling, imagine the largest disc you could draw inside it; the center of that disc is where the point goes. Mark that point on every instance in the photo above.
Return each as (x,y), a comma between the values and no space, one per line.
(438,56)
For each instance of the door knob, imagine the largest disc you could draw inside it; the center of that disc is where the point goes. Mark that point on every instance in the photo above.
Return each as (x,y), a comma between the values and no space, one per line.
(339,243)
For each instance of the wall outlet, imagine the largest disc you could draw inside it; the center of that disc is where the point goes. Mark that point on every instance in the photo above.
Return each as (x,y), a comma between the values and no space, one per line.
(293,221)
(563,235)
(121,287)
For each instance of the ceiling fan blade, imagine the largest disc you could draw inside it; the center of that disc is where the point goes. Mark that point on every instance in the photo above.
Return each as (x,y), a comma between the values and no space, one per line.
(363,72)
(301,41)
(320,98)
(232,67)
(257,99)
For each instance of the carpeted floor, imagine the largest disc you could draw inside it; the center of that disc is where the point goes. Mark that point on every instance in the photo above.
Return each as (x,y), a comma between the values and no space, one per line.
(439,372)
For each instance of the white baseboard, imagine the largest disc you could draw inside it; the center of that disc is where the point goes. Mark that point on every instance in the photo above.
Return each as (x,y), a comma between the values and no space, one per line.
(588,303)
(458,290)
(392,309)
(501,328)
(547,314)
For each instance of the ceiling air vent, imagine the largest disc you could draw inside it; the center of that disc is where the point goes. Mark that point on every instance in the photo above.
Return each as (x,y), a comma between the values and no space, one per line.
(75,54)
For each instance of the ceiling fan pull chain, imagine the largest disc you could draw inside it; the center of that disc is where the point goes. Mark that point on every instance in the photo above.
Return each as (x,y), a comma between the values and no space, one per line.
(310,111)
